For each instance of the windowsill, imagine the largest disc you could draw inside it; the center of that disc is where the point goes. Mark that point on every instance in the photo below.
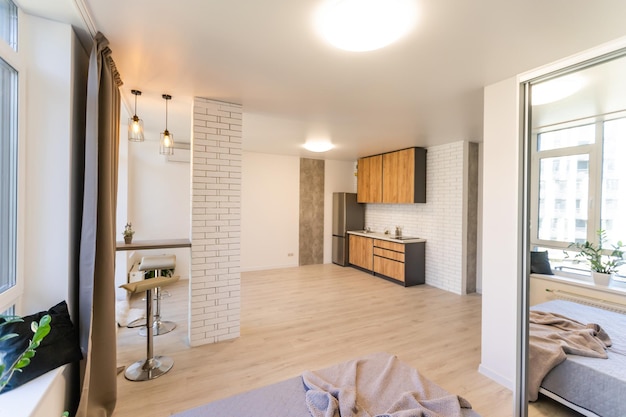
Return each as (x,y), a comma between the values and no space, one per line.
(584,281)
(43,396)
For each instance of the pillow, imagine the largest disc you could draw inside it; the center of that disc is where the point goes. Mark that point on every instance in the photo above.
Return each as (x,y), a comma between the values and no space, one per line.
(539,263)
(59,347)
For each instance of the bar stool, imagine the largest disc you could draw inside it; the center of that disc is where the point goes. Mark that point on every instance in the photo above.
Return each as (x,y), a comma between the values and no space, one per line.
(156,264)
(153,366)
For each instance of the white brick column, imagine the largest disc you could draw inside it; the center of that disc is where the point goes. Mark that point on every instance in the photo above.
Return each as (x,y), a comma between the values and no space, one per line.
(215,296)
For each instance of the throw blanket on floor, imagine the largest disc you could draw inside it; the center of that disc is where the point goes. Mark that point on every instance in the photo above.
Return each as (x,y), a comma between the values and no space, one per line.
(377,385)
(552,336)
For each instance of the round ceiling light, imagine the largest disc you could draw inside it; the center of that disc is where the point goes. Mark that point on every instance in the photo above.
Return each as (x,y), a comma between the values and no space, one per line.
(319,145)
(365,25)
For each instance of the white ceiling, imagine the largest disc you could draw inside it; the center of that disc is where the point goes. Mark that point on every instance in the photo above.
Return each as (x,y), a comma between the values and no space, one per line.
(424,90)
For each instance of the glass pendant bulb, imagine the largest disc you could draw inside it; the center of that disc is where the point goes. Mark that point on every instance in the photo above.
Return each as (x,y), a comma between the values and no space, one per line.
(135,124)
(166,145)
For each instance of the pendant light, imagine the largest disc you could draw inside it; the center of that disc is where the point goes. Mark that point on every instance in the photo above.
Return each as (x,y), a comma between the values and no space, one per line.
(135,124)
(167,138)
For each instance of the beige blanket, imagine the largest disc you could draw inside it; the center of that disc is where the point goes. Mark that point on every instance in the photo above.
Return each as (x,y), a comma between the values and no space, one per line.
(552,336)
(377,385)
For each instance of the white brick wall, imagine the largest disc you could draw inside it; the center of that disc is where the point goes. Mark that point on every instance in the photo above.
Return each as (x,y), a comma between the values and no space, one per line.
(215,299)
(439,221)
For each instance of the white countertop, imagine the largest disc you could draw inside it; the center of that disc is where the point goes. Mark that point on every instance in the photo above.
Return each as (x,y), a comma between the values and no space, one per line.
(382,236)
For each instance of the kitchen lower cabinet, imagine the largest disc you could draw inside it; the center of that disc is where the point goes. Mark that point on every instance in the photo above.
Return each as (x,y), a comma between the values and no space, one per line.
(403,263)
(361,252)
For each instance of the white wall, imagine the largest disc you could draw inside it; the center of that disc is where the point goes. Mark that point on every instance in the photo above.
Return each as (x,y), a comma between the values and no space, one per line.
(49,50)
(500,232)
(270,208)
(543,286)
(158,193)
(269,211)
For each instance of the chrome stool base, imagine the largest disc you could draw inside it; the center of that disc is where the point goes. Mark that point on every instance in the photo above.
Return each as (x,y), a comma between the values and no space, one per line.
(159,327)
(148,369)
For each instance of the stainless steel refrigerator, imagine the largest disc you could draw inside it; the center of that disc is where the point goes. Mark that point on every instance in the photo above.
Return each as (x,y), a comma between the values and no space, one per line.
(347,215)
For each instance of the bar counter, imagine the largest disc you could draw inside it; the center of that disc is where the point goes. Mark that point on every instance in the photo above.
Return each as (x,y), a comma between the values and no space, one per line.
(153,244)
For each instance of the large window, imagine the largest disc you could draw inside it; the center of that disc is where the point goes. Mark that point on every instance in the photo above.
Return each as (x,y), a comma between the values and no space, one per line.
(8,155)
(578,162)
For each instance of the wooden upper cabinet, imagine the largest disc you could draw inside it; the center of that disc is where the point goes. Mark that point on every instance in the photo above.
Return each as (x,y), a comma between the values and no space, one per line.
(396,177)
(404,176)
(369,179)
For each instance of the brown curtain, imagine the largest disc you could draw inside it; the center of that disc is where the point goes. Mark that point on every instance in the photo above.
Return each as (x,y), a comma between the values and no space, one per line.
(96,287)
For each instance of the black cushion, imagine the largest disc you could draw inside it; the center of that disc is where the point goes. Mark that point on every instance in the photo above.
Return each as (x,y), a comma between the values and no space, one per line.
(59,347)
(539,263)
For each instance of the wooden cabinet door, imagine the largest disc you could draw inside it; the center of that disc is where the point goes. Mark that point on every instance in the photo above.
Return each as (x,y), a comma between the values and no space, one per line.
(389,259)
(390,268)
(399,176)
(369,179)
(361,251)
(390,177)
(363,180)
(406,177)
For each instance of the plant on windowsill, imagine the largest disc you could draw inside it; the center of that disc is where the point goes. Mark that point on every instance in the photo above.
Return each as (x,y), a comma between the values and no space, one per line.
(601,265)
(128,233)
(40,330)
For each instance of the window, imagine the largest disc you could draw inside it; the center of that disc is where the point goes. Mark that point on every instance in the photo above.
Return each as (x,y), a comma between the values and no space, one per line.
(9,281)
(564,138)
(570,175)
(8,23)
(577,160)
(613,214)
(560,193)
(8,177)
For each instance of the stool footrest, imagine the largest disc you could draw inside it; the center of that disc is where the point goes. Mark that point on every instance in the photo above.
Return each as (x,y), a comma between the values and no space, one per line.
(148,369)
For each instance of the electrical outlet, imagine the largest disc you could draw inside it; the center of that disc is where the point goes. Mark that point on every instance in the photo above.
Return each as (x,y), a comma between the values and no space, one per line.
(290,254)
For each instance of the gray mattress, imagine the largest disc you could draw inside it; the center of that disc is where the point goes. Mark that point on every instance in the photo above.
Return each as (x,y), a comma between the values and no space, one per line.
(595,385)
(282,399)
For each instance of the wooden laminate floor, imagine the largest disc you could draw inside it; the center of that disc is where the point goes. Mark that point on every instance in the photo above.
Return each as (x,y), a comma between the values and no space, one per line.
(311,317)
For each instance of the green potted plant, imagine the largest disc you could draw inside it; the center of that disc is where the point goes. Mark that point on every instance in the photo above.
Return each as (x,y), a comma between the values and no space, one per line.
(40,330)
(128,233)
(601,265)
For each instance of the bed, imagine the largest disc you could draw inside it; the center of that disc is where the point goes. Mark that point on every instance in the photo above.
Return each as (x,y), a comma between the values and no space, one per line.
(377,384)
(591,386)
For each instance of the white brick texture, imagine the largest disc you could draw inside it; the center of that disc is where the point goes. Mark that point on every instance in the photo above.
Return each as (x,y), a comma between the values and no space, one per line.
(215,298)
(439,220)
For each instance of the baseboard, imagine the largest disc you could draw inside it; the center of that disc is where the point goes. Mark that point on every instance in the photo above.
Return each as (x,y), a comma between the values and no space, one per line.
(505,382)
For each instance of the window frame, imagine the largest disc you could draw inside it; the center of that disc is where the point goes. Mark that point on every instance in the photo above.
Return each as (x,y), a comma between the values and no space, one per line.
(12,298)
(595,152)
